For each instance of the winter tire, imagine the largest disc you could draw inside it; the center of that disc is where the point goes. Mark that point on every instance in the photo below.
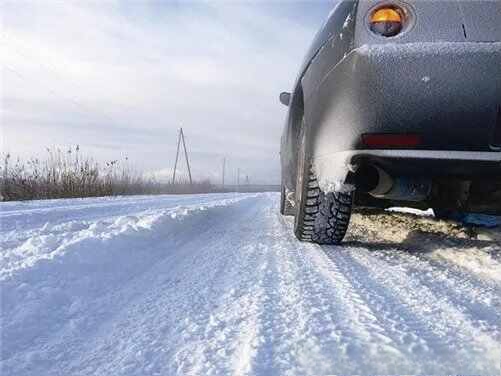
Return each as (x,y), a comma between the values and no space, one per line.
(320,217)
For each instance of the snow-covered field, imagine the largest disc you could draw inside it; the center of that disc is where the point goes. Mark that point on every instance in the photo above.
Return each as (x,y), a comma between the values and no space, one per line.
(217,284)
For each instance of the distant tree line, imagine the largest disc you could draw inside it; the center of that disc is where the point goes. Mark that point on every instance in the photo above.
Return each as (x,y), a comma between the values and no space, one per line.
(67,173)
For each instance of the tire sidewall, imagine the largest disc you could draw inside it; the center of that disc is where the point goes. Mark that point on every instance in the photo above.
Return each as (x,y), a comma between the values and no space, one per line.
(302,173)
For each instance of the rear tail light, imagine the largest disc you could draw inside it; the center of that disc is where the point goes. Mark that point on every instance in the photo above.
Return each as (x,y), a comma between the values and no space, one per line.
(391,140)
(387,20)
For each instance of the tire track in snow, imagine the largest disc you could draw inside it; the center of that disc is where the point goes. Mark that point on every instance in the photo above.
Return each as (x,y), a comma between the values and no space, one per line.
(480,263)
(363,338)
(337,322)
(293,347)
(250,348)
(229,334)
(477,300)
(473,351)
(270,330)
(408,331)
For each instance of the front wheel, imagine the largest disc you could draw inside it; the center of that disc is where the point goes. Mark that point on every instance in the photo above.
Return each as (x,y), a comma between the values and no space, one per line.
(320,217)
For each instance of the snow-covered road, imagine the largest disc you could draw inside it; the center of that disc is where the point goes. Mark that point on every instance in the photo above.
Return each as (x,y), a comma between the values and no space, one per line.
(217,284)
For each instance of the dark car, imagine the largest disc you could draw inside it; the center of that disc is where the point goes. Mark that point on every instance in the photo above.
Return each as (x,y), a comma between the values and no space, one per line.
(396,104)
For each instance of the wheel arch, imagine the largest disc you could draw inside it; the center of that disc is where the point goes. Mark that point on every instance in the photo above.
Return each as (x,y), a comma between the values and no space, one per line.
(289,147)
(297,114)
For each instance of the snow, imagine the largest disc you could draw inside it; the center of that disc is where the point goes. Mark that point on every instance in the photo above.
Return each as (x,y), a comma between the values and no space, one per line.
(418,212)
(347,21)
(332,171)
(217,284)
(430,48)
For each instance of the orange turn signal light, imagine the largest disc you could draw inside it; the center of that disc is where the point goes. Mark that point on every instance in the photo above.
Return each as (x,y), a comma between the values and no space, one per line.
(387,21)
(386,15)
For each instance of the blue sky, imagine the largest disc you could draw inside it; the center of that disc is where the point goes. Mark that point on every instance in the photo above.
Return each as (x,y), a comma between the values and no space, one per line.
(120,77)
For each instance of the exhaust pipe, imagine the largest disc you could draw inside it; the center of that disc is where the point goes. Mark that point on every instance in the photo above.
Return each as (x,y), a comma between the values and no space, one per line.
(378,183)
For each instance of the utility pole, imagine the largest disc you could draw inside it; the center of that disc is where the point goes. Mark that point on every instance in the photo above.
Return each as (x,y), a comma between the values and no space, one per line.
(177,157)
(186,155)
(238,179)
(224,166)
(180,138)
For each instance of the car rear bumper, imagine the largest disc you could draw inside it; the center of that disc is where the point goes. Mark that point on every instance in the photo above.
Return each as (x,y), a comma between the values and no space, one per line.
(467,164)
(424,163)
(448,169)
(448,93)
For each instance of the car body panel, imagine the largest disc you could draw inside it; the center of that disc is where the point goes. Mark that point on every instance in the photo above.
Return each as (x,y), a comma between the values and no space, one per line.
(440,78)
(452,107)
(482,20)
(342,10)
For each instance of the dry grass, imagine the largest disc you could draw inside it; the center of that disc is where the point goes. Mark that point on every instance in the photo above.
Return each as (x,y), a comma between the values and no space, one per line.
(67,173)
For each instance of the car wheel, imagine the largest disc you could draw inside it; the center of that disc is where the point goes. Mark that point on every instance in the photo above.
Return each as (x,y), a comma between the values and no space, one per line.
(320,217)
(286,207)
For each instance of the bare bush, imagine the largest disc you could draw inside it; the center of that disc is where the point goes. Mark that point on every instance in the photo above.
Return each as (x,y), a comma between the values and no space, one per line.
(66,174)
